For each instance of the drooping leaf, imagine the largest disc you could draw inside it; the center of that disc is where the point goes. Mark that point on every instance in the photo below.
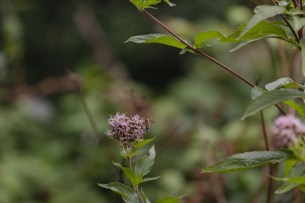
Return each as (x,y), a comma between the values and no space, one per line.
(130,175)
(262,12)
(247,160)
(271,98)
(278,83)
(158,39)
(293,180)
(128,194)
(144,165)
(169,200)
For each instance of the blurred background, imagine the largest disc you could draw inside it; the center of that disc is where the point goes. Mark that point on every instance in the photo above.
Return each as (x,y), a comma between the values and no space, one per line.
(52,50)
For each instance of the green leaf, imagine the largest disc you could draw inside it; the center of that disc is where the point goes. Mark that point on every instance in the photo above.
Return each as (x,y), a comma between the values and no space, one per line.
(149,3)
(255,92)
(138,146)
(278,83)
(293,180)
(298,107)
(130,175)
(298,22)
(247,160)
(158,39)
(144,165)
(150,179)
(206,36)
(169,200)
(138,4)
(262,12)
(169,3)
(302,45)
(128,194)
(271,98)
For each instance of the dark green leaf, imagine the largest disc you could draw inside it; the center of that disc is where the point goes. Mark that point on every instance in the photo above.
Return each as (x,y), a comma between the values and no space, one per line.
(247,160)
(262,12)
(169,200)
(271,98)
(158,39)
(278,83)
(128,194)
(144,165)
(130,175)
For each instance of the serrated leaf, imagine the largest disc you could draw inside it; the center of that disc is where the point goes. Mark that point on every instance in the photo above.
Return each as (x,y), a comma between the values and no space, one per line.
(169,200)
(158,39)
(293,180)
(271,98)
(202,37)
(144,165)
(246,160)
(278,83)
(262,12)
(128,194)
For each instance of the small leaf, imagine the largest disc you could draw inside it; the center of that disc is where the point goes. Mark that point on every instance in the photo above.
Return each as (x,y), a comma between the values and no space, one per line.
(158,39)
(144,165)
(278,83)
(169,200)
(206,36)
(169,3)
(247,160)
(262,12)
(271,98)
(128,194)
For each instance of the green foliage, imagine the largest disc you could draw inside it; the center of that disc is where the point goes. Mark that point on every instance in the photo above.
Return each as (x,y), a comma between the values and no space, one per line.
(169,200)
(146,4)
(247,160)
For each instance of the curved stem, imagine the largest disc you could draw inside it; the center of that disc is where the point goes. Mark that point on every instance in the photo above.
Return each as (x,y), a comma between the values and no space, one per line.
(202,54)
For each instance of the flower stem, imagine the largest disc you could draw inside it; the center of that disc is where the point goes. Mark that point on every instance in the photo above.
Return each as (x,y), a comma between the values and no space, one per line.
(135,187)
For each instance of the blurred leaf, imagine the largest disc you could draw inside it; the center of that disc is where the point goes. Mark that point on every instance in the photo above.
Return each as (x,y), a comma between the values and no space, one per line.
(149,3)
(158,39)
(138,146)
(298,22)
(206,36)
(255,92)
(271,98)
(247,160)
(169,3)
(128,194)
(130,175)
(298,107)
(262,12)
(150,179)
(293,180)
(137,3)
(144,165)
(169,200)
(302,45)
(278,83)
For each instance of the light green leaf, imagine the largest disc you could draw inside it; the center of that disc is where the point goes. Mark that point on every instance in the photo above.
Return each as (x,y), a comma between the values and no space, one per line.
(138,4)
(278,83)
(298,22)
(138,146)
(293,180)
(169,200)
(158,39)
(298,107)
(255,92)
(206,36)
(144,165)
(302,45)
(149,3)
(247,160)
(150,179)
(262,12)
(169,3)
(128,194)
(130,175)
(271,98)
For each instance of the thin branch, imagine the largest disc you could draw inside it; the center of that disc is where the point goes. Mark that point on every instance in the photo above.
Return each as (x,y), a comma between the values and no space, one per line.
(202,54)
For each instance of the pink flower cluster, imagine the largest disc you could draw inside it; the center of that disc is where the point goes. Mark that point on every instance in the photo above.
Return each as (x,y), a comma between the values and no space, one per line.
(286,130)
(127,129)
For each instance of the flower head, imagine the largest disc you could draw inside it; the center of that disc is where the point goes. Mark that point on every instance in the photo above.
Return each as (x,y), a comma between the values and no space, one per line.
(286,131)
(127,130)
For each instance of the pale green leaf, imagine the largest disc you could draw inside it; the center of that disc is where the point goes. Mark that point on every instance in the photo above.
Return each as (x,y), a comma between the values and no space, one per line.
(298,22)
(206,36)
(169,3)
(246,160)
(271,98)
(158,39)
(255,92)
(150,179)
(278,83)
(144,165)
(169,200)
(262,12)
(128,194)
(138,146)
